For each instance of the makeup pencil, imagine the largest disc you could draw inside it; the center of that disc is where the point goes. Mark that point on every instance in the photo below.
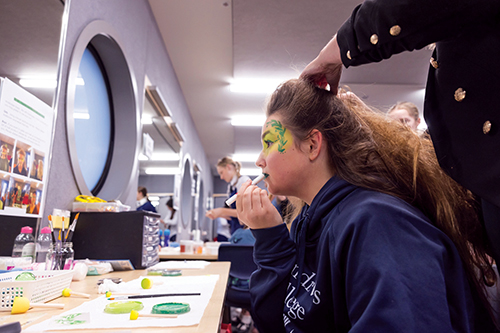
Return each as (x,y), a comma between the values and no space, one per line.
(262,176)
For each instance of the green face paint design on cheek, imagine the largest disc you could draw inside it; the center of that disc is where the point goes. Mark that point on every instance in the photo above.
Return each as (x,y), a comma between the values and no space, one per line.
(282,136)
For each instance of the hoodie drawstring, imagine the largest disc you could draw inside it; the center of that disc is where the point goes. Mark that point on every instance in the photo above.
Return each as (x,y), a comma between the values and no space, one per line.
(301,250)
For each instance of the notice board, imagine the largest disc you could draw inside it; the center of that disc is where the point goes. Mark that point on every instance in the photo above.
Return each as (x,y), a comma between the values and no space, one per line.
(26,134)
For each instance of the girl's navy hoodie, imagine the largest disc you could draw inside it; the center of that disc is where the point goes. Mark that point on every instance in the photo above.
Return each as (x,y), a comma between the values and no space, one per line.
(361,261)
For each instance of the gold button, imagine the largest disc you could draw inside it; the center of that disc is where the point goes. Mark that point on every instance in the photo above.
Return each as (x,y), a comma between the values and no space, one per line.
(374,39)
(395,30)
(349,55)
(459,94)
(486,127)
(434,63)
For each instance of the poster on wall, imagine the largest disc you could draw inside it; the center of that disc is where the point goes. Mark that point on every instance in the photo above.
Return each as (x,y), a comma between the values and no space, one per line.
(26,125)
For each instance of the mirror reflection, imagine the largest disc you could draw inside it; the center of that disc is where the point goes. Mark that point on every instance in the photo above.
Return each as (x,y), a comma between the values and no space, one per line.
(159,163)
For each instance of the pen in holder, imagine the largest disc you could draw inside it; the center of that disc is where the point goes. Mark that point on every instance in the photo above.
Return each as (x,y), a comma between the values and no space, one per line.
(60,256)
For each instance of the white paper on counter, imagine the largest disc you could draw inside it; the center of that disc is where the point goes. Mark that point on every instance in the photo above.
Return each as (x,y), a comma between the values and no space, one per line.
(178,284)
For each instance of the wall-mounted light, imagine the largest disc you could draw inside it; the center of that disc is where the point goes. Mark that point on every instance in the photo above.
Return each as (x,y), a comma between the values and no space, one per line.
(160,157)
(162,171)
(154,96)
(254,121)
(177,132)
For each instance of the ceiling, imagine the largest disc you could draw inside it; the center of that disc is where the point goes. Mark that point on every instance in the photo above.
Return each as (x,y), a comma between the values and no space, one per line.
(212,42)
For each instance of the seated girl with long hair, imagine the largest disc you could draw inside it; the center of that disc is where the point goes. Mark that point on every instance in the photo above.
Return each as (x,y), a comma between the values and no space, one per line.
(385,241)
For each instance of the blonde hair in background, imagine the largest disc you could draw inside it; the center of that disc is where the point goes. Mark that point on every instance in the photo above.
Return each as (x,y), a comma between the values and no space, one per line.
(223,162)
(408,106)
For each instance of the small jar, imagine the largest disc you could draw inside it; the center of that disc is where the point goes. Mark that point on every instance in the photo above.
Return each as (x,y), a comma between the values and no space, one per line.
(60,256)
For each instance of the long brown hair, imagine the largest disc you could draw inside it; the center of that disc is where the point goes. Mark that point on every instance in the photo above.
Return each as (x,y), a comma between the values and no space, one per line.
(368,150)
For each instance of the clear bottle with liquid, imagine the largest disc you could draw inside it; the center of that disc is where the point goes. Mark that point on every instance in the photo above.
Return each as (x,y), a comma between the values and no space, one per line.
(24,244)
(42,244)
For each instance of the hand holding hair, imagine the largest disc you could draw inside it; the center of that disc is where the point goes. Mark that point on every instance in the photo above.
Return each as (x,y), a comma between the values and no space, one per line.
(326,68)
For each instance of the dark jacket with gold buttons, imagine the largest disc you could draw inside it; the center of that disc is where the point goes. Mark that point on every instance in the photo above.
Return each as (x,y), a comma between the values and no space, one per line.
(462,102)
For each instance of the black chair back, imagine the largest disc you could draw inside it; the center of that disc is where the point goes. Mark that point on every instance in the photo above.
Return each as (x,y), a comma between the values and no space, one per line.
(242,266)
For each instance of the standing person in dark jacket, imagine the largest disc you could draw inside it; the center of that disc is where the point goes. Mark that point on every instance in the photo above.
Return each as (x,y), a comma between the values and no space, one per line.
(460,108)
(386,241)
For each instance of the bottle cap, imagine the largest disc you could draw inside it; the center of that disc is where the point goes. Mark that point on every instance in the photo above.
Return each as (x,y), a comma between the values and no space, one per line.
(45,230)
(26,230)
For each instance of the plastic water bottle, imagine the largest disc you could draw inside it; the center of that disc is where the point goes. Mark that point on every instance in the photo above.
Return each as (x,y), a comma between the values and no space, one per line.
(24,245)
(42,244)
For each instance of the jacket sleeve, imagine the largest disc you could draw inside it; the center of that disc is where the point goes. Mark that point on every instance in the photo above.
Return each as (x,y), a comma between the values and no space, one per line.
(274,254)
(377,29)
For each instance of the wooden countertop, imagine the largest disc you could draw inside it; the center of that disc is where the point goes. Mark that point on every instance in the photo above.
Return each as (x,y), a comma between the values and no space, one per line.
(210,321)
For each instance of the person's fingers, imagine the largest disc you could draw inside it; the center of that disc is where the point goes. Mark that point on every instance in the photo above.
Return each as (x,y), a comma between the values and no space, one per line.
(256,201)
(245,199)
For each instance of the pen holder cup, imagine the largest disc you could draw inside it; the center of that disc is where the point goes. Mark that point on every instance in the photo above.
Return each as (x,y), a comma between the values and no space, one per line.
(60,256)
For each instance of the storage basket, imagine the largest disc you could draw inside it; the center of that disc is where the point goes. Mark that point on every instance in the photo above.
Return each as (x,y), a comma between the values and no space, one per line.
(47,286)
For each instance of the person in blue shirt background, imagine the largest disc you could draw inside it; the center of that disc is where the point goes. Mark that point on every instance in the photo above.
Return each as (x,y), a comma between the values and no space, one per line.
(143,202)
(386,241)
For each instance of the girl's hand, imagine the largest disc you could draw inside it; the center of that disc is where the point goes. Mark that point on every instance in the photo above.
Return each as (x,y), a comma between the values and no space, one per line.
(214,213)
(255,209)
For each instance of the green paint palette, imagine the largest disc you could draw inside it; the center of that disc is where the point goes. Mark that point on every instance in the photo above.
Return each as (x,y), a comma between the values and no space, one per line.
(123,307)
(26,276)
(171,308)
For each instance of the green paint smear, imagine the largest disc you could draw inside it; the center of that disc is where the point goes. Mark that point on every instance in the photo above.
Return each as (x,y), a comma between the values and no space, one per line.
(70,320)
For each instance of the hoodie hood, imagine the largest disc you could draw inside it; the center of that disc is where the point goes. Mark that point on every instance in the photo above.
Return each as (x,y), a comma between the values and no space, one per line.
(311,217)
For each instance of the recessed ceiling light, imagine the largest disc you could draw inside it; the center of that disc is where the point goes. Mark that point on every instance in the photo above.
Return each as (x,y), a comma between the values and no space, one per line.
(162,171)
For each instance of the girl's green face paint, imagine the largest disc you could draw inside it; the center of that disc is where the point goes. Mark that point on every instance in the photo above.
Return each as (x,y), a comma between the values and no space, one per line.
(275,138)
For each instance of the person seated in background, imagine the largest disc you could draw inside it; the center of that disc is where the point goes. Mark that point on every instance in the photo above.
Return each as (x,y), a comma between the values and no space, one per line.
(242,236)
(405,112)
(385,242)
(143,202)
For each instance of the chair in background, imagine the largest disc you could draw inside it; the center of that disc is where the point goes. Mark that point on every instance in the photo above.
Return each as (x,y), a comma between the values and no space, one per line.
(242,266)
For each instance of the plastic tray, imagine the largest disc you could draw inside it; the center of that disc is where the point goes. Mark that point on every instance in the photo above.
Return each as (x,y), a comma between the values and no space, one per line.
(47,286)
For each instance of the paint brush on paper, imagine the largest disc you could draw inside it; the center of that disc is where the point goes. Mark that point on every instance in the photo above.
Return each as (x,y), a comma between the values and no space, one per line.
(230,201)
(152,296)
(72,227)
